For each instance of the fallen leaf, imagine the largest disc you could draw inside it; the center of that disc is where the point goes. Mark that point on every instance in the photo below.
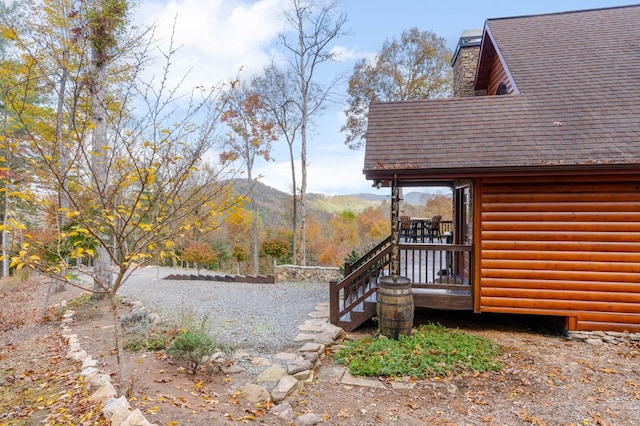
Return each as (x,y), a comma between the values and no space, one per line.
(247,417)
(599,421)
(344,413)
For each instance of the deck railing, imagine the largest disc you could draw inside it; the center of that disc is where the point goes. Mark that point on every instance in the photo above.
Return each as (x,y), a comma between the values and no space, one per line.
(428,266)
(446,226)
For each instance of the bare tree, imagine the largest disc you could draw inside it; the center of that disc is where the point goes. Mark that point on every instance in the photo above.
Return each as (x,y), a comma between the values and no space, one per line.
(312,28)
(277,90)
(253,134)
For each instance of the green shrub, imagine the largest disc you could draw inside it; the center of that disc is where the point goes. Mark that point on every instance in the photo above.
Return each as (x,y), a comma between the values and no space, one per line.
(431,350)
(194,346)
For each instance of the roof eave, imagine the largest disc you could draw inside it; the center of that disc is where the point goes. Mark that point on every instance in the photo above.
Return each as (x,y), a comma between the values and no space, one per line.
(442,175)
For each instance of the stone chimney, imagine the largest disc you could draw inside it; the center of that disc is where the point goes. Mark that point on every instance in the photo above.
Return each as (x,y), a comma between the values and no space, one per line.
(465,63)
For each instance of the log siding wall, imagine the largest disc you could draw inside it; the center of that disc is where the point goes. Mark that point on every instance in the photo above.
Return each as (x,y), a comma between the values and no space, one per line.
(570,249)
(498,76)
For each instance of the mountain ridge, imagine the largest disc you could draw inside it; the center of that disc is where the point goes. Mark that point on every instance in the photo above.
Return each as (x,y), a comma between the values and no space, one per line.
(275,206)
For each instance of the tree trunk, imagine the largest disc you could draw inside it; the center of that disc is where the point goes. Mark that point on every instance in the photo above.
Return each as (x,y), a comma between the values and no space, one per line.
(63,158)
(102,262)
(123,379)
(294,219)
(254,230)
(254,220)
(304,87)
(5,237)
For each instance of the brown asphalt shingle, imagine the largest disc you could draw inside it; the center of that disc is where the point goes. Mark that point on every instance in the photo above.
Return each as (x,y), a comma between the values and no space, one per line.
(578,74)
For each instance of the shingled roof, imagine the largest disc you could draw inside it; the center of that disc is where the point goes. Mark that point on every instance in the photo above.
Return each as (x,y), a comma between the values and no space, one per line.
(577,106)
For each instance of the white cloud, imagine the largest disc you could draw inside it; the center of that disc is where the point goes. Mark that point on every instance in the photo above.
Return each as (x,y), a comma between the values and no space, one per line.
(329,174)
(216,37)
(345,54)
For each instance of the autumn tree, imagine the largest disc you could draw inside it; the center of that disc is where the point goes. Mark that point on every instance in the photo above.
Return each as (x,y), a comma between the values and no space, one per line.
(278,90)
(441,204)
(13,73)
(200,254)
(312,26)
(13,176)
(417,66)
(374,226)
(252,135)
(343,237)
(139,189)
(275,248)
(240,255)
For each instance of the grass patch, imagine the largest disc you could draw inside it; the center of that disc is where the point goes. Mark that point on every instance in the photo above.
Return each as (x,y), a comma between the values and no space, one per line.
(154,339)
(79,302)
(432,350)
(84,307)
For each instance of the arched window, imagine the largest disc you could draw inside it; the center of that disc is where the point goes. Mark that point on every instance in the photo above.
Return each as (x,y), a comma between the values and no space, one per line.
(502,89)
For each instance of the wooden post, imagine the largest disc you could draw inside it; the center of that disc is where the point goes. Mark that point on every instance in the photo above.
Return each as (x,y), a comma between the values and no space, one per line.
(395,220)
(334,302)
(347,268)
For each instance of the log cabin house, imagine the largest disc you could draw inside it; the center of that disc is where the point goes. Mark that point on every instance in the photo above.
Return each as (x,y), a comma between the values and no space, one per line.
(541,147)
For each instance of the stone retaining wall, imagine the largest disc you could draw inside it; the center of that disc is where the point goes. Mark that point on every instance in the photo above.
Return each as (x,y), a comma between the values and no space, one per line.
(599,337)
(309,274)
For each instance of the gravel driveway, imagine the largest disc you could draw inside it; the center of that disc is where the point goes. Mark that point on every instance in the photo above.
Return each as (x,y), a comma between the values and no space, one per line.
(261,319)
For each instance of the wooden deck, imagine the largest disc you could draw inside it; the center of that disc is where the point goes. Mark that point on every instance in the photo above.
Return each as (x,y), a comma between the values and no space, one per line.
(436,278)
(434,270)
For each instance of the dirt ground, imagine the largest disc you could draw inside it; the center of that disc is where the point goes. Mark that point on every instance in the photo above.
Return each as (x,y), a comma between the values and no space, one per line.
(547,379)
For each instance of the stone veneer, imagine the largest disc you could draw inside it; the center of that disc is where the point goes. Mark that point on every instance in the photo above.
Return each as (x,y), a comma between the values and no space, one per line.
(309,274)
(464,71)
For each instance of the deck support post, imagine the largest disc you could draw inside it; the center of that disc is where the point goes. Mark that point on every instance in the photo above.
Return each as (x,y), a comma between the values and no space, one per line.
(395,224)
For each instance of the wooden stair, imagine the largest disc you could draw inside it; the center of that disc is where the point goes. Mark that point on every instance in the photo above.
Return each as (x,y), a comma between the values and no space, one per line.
(352,301)
(361,312)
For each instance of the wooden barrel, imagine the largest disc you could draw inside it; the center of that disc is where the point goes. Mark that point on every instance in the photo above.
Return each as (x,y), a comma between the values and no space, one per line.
(395,306)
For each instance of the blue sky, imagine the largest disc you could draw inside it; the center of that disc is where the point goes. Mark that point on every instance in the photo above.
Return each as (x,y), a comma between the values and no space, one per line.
(220,36)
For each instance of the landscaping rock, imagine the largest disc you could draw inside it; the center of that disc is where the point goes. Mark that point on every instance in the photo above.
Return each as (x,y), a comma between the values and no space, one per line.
(271,374)
(116,410)
(256,393)
(98,380)
(309,419)
(298,366)
(285,386)
(136,418)
(103,393)
(284,411)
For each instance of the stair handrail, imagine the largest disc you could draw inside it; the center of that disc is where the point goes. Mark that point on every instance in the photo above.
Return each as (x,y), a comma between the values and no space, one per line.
(349,267)
(355,291)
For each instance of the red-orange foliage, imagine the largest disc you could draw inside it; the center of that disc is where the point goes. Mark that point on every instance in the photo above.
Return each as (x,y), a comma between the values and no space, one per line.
(440,204)
(200,254)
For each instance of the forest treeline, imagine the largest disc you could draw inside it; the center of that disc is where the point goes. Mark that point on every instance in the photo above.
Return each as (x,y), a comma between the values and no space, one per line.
(339,227)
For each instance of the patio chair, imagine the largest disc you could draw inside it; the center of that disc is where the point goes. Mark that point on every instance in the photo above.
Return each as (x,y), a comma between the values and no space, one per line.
(434,228)
(407,230)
